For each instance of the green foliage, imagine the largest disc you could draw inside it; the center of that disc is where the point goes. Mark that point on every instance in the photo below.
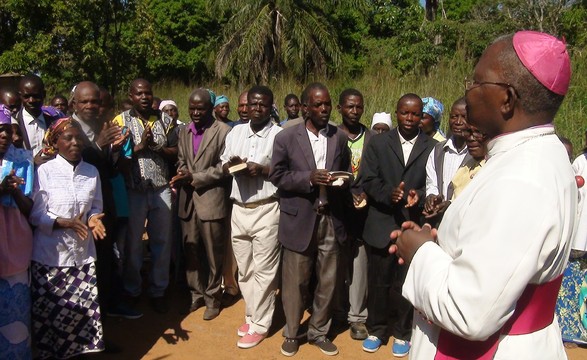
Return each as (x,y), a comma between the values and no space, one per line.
(242,42)
(270,38)
(184,34)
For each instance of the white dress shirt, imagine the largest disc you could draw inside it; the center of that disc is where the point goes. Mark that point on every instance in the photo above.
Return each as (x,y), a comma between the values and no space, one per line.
(35,129)
(510,227)
(319,147)
(64,191)
(407,145)
(453,158)
(243,142)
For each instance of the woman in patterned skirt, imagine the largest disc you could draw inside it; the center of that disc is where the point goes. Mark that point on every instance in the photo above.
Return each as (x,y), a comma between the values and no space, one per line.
(16,243)
(66,213)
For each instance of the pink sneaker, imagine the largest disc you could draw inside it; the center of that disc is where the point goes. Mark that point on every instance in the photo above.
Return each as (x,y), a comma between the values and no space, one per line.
(243,330)
(250,339)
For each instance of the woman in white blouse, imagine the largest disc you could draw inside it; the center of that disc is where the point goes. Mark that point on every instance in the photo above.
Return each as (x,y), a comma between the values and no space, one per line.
(66,214)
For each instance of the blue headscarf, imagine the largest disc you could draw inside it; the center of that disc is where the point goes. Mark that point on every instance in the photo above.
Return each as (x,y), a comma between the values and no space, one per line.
(433,108)
(212,97)
(220,100)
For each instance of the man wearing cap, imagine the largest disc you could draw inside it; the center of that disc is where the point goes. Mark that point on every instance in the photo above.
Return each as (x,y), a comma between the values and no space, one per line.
(487,287)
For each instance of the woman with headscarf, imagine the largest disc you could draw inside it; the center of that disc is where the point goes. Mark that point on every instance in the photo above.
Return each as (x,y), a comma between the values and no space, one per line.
(381,122)
(16,242)
(431,116)
(67,214)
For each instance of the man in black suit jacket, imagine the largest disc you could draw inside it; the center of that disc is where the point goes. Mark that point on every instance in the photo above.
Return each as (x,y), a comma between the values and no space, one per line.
(310,224)
(392,163)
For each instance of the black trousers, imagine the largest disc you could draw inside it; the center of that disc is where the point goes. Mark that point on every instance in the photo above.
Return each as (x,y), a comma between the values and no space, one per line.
(385,303)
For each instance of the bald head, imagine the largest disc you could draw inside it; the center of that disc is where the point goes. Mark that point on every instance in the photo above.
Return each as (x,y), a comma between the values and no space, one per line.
(86,103)
(201,94)
(200,107)
(84,87)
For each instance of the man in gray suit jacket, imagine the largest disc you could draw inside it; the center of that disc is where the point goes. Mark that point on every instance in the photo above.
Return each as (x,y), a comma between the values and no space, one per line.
(202,200)
(310,224)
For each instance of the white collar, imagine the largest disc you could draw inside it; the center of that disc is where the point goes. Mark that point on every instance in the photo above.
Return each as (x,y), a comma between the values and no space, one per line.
(508,141)
(264,132)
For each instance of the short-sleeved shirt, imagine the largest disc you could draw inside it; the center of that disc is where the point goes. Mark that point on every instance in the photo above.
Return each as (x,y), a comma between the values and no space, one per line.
(150,170)
(257,147)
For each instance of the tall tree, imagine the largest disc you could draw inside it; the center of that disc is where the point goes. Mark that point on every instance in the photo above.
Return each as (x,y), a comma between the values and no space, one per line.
(265,38)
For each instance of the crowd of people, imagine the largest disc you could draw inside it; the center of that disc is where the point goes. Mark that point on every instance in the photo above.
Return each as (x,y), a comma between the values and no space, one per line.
(453,244)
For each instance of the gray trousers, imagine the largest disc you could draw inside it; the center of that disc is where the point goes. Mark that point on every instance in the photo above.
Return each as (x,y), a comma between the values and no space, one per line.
(350,298)
(321,256)
(204,243)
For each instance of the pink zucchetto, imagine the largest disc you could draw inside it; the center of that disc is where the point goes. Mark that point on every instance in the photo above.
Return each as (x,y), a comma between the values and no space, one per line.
(546,58)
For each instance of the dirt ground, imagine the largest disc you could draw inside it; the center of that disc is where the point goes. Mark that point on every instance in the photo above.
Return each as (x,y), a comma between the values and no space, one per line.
(177,336)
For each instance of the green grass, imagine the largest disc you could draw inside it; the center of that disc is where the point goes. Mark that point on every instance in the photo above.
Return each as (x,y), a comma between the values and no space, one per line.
(381,88)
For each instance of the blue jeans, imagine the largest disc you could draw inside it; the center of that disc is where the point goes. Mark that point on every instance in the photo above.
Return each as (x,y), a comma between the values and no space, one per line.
(154,206)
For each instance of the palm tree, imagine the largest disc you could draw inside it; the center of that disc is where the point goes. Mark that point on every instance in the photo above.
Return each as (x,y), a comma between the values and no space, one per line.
(264,38)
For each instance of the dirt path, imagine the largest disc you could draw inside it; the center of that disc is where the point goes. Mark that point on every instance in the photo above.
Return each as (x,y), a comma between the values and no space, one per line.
(176,336)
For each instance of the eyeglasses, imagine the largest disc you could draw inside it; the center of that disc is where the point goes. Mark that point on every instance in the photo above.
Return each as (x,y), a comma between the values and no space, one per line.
(478,135)
(471,84)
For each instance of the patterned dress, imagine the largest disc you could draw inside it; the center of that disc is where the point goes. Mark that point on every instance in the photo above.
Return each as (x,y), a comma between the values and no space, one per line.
(65,310)
(570,305)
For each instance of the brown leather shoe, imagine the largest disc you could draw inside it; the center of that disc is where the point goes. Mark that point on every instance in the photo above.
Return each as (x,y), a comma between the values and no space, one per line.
(211,313)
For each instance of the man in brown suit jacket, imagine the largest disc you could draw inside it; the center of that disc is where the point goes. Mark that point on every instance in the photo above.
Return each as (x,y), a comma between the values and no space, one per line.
(203,202)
